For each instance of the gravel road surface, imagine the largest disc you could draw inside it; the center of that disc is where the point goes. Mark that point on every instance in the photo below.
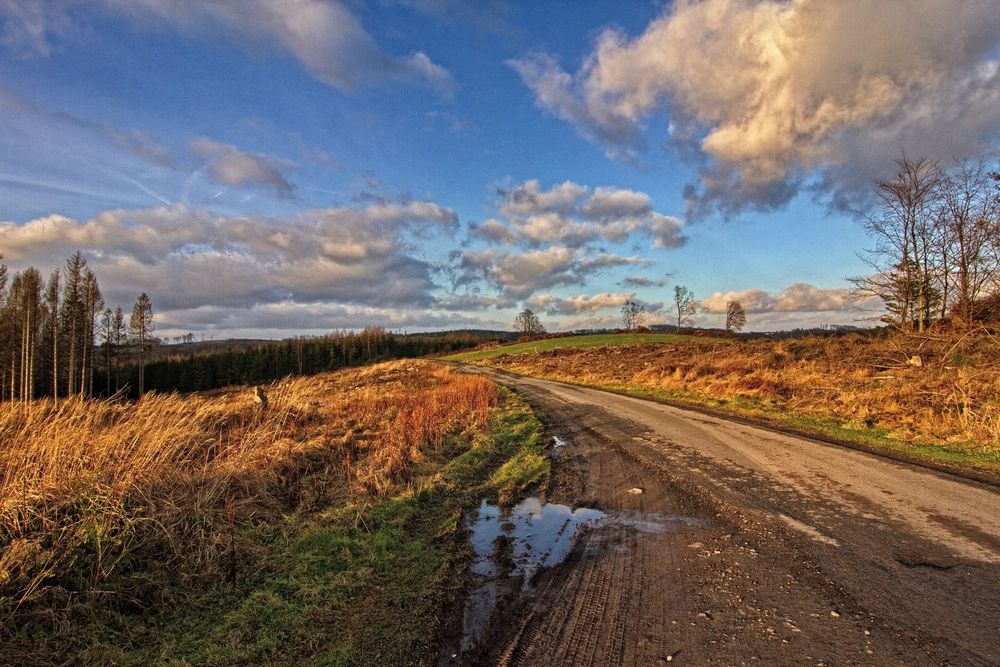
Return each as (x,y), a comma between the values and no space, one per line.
(730,544)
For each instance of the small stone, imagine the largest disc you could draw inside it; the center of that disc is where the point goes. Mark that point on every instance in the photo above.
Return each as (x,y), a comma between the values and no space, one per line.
(670,658)
(636,490)
(834,614)
(695,545)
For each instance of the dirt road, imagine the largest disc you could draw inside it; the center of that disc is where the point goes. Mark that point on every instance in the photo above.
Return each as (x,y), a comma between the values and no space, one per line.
(748,546)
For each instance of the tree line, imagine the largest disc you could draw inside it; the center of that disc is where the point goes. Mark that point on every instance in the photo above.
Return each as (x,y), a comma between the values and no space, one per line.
(634,313)
(56,333)
(266,361)
(936,253)
(58,338)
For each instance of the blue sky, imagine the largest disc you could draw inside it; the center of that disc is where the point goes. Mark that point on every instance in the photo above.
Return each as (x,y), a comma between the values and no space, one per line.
(274,168)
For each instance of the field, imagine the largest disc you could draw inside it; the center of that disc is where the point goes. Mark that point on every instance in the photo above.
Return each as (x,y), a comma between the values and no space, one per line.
(862,389)
(547,344)
(204,529)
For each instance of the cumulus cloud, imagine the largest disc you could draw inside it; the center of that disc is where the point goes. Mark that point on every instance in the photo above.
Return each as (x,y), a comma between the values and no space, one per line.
(773,94)
(190,259)
(228,165)
(572,214)
(521,274)
(548,237)
(799,297)
(575,305)
(321,34)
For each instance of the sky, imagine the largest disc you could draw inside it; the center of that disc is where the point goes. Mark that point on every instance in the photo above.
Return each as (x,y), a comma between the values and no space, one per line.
(285,167)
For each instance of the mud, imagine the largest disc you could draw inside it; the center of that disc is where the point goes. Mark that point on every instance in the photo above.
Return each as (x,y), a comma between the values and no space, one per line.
(762,548)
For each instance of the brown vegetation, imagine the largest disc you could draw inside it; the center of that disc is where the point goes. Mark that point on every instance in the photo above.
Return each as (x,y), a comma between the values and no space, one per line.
(863,383)
(142,492)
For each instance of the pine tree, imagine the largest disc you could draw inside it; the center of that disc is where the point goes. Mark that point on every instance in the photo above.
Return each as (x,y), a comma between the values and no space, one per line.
(93,303)
(120,337)
(52,329)
(141,325)
(25,302)
(72,316)
(6,337)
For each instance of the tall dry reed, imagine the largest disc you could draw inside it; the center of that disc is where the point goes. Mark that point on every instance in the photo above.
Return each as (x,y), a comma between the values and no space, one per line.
(94,491)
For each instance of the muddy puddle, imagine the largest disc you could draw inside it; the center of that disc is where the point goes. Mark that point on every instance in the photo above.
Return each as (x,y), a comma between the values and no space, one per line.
(511,546)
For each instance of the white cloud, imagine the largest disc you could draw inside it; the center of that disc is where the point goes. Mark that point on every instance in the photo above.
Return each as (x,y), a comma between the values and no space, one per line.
(570,214)
(189,259)
(228,165)
(799,297)
(520,274)
(575,305)
(773,92)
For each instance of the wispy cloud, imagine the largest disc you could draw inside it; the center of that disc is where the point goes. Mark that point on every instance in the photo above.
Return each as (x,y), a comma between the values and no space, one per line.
(324,35)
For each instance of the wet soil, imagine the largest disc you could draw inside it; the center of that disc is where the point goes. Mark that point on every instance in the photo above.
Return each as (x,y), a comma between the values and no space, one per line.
(789,551)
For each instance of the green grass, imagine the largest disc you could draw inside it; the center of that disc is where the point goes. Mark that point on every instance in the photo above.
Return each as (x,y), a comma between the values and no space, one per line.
(373,583)
(591,340)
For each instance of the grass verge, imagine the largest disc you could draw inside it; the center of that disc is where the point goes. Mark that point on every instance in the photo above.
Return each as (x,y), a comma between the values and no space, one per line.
(546,344)
(874,439)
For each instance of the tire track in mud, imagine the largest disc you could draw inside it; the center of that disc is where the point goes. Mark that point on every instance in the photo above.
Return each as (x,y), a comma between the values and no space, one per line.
(731,582)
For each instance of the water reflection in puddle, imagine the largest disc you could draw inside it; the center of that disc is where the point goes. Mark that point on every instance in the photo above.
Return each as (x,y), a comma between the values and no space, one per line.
(531,536)
(537,534)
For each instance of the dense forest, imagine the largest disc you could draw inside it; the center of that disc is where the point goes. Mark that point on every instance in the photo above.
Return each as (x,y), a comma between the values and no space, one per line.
(266,361)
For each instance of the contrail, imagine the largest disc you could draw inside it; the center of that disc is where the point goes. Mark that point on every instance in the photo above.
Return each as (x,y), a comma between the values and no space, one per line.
(145,189)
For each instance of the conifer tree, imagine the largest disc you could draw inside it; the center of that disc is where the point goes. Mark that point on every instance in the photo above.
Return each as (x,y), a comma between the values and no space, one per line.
(141,326)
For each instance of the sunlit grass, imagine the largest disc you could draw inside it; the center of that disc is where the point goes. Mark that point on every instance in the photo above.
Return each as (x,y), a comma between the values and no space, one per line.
(586,341)
(854,388)
(113,508)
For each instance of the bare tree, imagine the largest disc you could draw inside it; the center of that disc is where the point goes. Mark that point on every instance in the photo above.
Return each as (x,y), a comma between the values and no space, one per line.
(969,211)
(736,317)
(684,305)
(633,315)
(141,326)
(903,226)
(528,323)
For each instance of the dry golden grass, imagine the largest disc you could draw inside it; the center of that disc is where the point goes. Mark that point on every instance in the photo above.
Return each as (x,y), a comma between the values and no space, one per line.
(861,381)
(91,489)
